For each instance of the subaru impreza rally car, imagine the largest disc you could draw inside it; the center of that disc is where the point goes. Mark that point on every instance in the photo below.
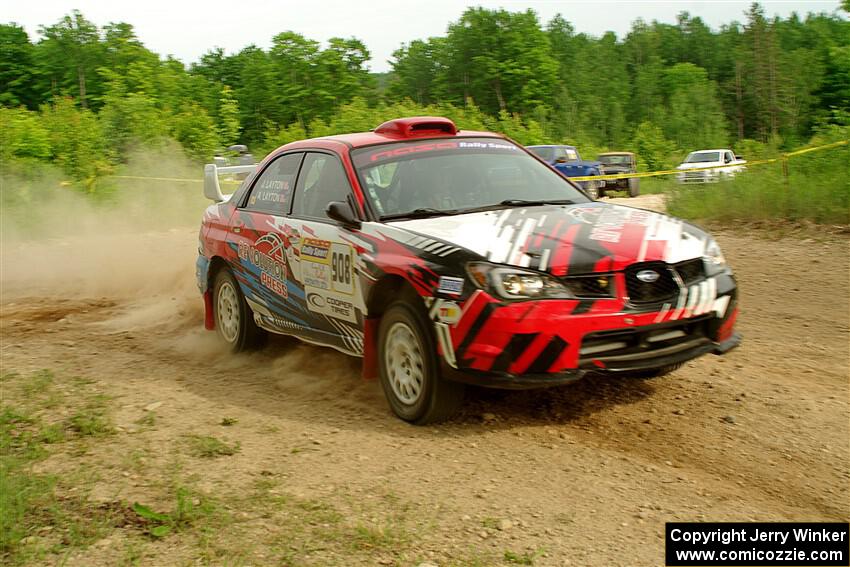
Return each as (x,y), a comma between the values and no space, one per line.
(446,257)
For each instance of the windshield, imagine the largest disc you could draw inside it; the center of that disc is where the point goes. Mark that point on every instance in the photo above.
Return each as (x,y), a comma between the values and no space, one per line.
(544,153)
(452,176)
(615,160)
(702,157)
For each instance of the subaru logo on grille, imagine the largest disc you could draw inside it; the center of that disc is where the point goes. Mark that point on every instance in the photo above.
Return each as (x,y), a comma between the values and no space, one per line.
(647,276)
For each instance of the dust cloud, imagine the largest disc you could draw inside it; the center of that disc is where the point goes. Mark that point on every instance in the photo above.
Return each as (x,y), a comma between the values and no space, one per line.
(130,238)
(132,245)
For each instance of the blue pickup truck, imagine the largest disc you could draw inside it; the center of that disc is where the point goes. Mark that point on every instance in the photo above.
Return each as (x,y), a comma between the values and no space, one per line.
(567,161)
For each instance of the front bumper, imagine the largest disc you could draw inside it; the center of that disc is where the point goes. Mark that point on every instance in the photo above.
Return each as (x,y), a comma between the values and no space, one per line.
(697,177)
(544,343)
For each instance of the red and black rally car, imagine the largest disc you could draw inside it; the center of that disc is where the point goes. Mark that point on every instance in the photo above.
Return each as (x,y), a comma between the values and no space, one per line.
(445,257)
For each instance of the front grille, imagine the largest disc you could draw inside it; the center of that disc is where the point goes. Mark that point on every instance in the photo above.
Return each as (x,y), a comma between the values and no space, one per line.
(643,342)
(596,285)
(690,270)
(664,287)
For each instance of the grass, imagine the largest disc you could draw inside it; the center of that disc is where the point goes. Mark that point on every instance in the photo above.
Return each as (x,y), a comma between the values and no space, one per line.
(209,447)
(816,190)
(36,518)
(525,558)
(52,422)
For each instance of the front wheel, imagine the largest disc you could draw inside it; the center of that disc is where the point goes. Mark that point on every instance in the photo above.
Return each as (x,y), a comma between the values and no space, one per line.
(233,318)
(634,186)
(409,369)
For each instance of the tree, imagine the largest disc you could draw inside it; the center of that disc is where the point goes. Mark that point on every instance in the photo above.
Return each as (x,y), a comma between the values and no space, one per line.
(72,52)
(695,118)
(228,117)
(499,59)
(416,70)
(18,70)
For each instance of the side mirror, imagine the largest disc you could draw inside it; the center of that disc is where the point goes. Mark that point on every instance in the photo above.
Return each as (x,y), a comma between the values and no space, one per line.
(341,212)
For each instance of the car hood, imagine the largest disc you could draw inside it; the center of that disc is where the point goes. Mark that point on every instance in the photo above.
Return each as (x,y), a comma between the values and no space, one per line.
(564,239)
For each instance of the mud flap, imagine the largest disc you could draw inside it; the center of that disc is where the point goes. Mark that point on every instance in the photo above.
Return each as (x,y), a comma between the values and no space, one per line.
(369,369)
(209,316)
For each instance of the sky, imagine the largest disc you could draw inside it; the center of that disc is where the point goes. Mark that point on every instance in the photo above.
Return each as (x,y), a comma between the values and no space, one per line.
(187,29)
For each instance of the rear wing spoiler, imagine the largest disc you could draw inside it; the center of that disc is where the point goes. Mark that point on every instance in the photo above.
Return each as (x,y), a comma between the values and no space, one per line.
(212,187)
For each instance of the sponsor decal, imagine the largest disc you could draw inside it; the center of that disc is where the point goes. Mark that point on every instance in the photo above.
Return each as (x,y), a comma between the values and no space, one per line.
(448,312)
(316,275)
(609,225)
(314,249)
(388,154)
(267,254)
(334,306)
(452,286)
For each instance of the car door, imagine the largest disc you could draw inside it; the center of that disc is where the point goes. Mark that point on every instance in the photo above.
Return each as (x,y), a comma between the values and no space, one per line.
(328,263)
(264,246)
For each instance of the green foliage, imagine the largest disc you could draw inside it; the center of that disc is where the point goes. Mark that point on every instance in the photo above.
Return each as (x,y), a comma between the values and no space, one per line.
(190,508)
(664,89)
(654,151)
(18,70)
(208,447)
(23,135)
(77,140)
(817,189)
(30,500)
(228,117)
(196,132)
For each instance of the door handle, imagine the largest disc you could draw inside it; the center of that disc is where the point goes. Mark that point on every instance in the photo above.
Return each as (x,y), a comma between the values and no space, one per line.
(237,226)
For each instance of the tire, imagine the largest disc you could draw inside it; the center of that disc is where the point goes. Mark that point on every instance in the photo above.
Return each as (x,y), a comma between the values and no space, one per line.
(592,189)
(634,186)
(656,372)
(234,321)
(409,368)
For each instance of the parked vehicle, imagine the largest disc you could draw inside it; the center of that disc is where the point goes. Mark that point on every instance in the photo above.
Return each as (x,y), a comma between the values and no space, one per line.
(692,172)
(567,161)
(446,257)
(614,163)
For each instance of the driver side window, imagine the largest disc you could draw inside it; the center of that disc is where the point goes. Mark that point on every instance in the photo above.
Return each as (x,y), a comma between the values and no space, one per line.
(322,180)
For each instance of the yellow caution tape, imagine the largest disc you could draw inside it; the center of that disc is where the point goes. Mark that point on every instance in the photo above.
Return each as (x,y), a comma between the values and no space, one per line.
(675,171)
(174,179)
(582,178)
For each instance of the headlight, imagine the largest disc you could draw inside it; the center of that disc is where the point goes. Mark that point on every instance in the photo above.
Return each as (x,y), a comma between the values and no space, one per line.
(516,283)
(713,257)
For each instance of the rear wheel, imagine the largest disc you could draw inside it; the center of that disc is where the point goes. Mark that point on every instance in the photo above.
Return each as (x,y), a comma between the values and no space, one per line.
(409,368)
(634,187)
(234,321)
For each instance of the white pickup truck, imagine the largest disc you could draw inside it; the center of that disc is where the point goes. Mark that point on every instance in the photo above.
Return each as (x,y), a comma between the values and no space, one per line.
(691,170)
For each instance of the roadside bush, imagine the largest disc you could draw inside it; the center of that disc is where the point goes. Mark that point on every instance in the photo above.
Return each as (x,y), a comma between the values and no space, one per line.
(22,135)
(817,189)
(195,130)
(77,141)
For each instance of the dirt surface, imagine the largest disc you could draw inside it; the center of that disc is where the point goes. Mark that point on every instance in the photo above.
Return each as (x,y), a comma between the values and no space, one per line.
(580,475)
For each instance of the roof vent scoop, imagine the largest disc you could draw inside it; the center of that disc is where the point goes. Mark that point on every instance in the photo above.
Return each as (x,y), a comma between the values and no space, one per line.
(417,126)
